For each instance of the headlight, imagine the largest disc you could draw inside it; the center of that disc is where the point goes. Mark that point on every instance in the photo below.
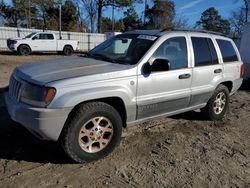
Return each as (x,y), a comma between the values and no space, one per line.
(37,95)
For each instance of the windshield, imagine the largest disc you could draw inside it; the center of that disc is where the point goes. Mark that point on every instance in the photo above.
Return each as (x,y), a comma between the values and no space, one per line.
(30,35)
(124,48)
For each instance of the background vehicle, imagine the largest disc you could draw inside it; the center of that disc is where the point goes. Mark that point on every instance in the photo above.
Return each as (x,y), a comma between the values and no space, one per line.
(245,51)
(42,42)
(84,102)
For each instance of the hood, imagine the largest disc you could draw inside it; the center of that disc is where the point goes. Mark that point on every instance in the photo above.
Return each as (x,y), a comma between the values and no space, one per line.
(64,68)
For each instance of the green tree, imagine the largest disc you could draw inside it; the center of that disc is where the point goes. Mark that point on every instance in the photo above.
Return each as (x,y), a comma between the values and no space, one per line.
(131,20)
(106,3)
(107,25)
(13,15)
(48,15)
(212,21)
(69,16)
(161,15)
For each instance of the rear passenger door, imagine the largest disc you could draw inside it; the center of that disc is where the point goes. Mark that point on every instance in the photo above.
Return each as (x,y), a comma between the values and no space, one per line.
(207,69)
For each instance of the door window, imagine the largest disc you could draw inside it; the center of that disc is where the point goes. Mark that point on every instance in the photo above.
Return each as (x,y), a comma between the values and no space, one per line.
(174,50)
(204,51)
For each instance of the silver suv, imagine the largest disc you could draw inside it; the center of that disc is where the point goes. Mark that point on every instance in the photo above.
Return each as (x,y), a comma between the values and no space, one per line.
(84,102)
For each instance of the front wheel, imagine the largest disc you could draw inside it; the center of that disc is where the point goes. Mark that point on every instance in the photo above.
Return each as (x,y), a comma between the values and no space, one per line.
(218,104)
(92,133)
(24,50)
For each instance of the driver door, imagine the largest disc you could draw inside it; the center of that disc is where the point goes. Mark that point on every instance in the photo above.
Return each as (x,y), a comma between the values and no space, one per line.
(166,91)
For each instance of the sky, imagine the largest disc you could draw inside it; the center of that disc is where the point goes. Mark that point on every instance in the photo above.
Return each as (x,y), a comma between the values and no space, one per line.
(190,9)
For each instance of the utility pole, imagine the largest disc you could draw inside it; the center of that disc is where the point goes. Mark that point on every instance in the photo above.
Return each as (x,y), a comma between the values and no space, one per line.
(145,9)
(60,21)
(29,14)
(113,16)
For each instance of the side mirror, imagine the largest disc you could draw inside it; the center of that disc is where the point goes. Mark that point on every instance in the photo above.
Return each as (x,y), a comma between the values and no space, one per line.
(146,69)
(34,38)
(124,41)
(158,65)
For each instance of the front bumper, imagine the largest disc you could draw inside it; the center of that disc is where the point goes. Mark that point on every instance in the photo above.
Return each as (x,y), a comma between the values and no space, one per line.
(46,124)
(11,47)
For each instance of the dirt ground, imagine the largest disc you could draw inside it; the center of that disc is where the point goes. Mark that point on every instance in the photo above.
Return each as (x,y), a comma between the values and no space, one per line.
(179,151)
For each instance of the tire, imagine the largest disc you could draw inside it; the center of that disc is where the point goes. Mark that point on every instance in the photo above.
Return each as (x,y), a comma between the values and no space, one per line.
(24,50)
(67,50)
(217,105)
(80,138)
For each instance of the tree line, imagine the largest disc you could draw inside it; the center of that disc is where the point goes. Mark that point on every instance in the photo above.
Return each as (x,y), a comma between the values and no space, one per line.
(87,16)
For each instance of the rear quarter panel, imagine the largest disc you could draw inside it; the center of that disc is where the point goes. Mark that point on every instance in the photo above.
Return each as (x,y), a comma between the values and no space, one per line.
(62,43)
(231,70)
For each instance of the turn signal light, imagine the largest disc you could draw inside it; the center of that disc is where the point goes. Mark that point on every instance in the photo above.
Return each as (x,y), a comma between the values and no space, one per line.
(242,70)
(51,92)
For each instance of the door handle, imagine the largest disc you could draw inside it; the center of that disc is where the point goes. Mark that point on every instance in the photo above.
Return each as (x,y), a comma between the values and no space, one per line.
(217,71)
(184,76)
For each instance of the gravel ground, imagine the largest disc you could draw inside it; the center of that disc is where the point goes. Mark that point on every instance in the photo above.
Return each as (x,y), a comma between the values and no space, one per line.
(179,151)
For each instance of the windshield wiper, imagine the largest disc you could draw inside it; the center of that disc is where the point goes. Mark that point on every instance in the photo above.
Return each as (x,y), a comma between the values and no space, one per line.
(102,57)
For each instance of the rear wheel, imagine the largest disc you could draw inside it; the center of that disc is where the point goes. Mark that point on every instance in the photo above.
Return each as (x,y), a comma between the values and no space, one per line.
(92,133)
(24,50)
(218,104)
(68,50)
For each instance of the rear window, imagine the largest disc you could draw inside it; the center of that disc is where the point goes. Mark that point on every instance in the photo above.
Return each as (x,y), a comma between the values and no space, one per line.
(227,51)
(204,51)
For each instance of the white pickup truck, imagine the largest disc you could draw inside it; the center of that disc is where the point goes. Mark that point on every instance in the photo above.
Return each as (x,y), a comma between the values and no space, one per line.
(42,42)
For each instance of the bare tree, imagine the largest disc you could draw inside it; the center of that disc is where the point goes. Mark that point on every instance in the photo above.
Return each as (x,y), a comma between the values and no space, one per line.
(237,21)
(245,8)
(91,7)
(240,17)
(180,21)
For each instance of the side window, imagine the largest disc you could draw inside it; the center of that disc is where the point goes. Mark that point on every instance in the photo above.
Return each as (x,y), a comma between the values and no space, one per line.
(50,36)
(175,51)
(204,51)
(213,52)
(41,36)
(35,37)
(46,37)
(227,50)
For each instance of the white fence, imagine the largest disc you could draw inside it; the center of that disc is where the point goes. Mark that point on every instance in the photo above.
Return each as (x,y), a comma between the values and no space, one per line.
(87,41)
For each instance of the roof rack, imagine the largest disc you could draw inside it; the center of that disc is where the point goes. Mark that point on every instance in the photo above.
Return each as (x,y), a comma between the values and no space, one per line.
(192,30)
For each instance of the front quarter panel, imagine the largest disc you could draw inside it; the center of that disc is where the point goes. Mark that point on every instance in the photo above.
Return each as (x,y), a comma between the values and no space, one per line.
(71,96)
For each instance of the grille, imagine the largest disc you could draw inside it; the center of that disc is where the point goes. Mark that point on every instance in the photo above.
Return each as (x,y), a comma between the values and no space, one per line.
(14,87)
(9,42)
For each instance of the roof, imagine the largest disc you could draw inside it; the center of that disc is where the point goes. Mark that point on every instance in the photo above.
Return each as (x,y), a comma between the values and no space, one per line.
(167,30)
